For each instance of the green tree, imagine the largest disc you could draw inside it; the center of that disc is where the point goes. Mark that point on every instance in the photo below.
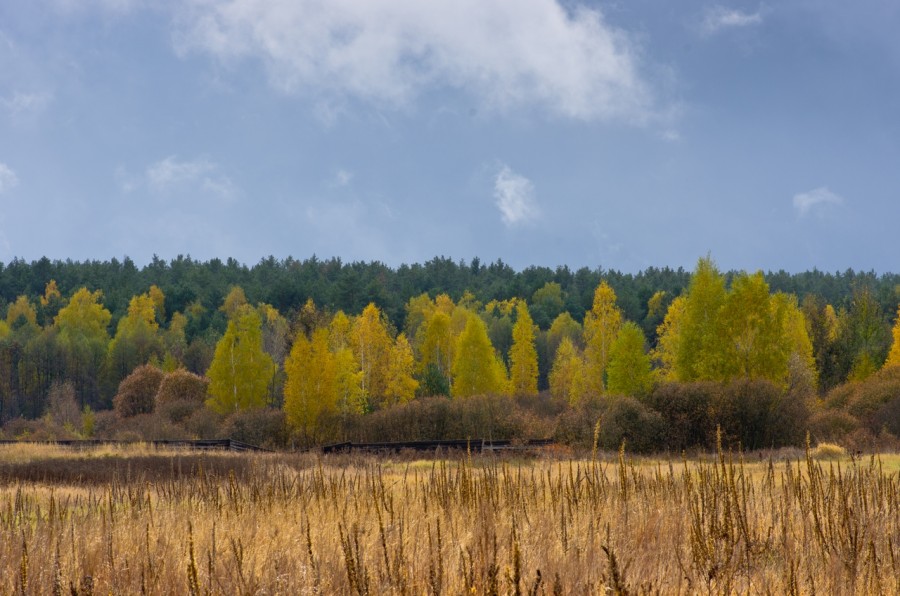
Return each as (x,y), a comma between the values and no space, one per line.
(629,365)
(523,362)
(241,370)
(547,303)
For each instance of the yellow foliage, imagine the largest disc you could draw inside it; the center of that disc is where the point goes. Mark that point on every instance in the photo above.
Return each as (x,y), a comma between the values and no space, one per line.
(310,386)
(476,368)
(893,358)
(601,327)
(21,308)
(401,386)
(523,360)
(567,375)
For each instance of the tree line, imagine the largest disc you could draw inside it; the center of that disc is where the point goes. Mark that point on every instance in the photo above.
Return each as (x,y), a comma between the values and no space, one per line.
(233,338)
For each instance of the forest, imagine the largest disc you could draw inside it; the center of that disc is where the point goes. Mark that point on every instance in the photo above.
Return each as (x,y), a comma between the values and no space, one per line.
(292,353)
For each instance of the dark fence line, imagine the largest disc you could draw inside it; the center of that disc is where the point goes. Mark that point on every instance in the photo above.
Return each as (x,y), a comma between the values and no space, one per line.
(201,445)
(479,445)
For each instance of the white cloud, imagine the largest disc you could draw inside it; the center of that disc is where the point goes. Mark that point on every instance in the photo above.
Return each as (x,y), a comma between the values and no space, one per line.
(514,197)
(342,178)
(506,53)
(807,202)
(169,174)
(718,18)
(8,178)
(19,103)
(112,6)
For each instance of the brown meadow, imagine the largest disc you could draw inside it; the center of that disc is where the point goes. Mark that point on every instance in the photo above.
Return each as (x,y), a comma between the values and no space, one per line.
(143,521)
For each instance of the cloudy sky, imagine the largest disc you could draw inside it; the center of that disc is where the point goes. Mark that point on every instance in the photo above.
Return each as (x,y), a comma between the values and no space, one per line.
(620,134)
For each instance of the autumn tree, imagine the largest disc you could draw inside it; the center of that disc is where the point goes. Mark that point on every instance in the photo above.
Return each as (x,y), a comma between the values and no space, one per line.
(51,303)
(567,375)
(523,362)
(371,343)
(668,335)
(699,337)
(310,382)
(629,370)
(436,344)
(893,358)
(348,376)
(137,339)
(175,342)
(241,370)
(83,339)
(401,385)
(477,369)
(601,326)
(752,325)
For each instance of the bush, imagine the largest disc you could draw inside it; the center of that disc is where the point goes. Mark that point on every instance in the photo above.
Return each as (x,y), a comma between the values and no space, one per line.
(831,425)
(182,385)
(137,391)
(685,409)
(626,419)
(178,411)
(442,418)
(575,425)
(264,427)
(757,414)
(204,424)
(828,451)
(63,405)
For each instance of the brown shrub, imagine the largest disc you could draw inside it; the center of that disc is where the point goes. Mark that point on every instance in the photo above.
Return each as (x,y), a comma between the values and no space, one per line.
(685,408)
(264,427)
(182,385)
(137,391)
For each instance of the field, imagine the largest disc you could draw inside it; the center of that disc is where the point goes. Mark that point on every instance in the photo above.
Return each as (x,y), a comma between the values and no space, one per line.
(142,521)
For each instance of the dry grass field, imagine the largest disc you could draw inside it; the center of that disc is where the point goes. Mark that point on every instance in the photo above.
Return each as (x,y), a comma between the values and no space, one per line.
(130,521)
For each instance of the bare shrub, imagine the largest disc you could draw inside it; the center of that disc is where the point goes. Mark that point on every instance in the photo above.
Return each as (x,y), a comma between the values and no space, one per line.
(62,405)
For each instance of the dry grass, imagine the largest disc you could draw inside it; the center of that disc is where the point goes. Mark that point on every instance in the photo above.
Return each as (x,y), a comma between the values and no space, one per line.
(275,524)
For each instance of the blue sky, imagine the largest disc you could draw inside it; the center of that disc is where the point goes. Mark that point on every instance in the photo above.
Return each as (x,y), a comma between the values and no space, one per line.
(604,134)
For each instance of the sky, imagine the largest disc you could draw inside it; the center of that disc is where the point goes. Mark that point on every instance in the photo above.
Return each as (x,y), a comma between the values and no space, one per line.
(619,135)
